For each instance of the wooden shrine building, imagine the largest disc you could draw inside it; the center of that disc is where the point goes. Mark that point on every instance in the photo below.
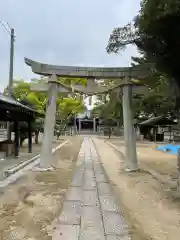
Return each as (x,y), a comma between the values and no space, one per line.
(15,112)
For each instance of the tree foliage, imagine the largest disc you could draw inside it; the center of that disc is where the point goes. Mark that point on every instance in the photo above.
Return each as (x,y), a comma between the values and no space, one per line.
(110,111)
(65,104)
(159,33)
(155,31)
(159,100)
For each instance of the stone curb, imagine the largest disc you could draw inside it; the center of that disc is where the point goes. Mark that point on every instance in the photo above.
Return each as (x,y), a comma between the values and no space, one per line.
(13,170)
(29,163)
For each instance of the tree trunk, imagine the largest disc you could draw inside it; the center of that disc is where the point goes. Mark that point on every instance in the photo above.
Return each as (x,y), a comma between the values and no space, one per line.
(21,140)
(109,132)
(36,137)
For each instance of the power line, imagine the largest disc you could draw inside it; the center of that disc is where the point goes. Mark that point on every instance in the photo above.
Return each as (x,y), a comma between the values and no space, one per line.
(8,25)
(3,25)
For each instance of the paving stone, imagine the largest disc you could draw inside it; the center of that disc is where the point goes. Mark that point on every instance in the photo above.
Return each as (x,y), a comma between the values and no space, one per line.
(90,233)
(74,194)
(90,197)
(66,232)
(89,166)
(104,188)
(95,158)
(108,203)
(114,237)
(80,164)
(91,224)
(100,177)
(88,161)
(98,169)
(77,180)
(114,224)
(89,174)
(71,213)
(97,165)
(89,184)
(80,167)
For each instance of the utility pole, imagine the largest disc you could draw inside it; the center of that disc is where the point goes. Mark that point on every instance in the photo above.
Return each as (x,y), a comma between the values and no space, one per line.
(10,31)
(10,85)
(11,65)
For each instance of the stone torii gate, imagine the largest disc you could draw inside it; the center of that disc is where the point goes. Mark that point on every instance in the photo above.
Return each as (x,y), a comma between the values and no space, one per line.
(125,76)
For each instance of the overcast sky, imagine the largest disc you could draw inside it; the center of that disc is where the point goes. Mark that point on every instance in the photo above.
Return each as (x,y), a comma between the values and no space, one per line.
(64,32)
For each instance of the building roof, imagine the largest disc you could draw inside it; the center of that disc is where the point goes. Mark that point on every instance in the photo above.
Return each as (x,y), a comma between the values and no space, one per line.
(10,104)
(8,100)
(158,121)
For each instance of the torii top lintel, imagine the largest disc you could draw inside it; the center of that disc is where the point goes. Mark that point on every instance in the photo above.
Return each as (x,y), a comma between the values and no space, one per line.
(87,72)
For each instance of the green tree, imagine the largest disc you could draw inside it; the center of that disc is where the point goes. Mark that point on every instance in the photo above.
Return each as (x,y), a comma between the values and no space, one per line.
(110,112)
(159,100)
(159,33)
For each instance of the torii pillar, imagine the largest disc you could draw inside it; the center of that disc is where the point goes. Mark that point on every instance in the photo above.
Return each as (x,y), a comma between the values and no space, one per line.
(129,133)
(128,88)
(52,87)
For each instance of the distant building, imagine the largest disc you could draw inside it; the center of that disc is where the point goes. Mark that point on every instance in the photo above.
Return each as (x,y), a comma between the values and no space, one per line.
(90,102)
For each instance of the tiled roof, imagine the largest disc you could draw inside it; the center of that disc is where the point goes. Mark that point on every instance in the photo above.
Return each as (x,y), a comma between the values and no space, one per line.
(19,106)
(13,102)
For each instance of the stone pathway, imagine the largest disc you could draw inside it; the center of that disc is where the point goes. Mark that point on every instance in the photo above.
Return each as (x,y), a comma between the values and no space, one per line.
(89,210)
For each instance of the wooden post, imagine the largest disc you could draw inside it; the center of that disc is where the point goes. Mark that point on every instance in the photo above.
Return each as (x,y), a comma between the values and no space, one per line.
(170,130)
(75,126)
(94,125)
(29,136)
(16,140)
(79,125)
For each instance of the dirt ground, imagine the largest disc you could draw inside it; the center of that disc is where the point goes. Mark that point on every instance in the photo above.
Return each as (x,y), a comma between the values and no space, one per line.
(10,162)
(29,206)
(151,207)
(162,162)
